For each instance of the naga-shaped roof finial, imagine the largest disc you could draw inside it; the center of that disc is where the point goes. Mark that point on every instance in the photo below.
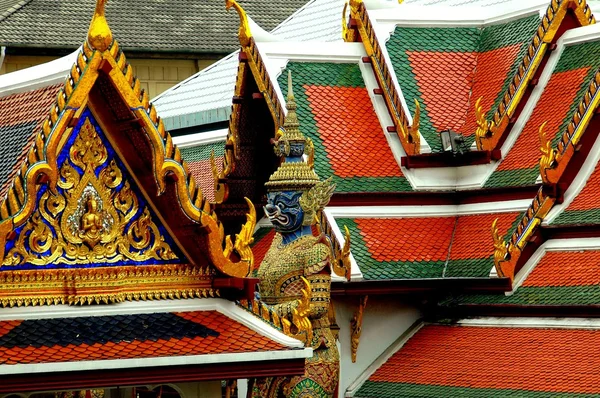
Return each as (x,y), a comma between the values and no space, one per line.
(244,33)
(99,34)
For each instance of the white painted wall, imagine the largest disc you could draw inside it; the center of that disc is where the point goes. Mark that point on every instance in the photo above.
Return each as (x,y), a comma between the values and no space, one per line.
(384,320)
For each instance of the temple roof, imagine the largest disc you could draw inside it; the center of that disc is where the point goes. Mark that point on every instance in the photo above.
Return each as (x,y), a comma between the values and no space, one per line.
(472,361)
(179,26)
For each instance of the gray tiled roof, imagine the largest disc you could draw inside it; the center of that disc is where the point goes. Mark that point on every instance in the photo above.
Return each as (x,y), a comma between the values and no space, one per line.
(206,97)
(199,26)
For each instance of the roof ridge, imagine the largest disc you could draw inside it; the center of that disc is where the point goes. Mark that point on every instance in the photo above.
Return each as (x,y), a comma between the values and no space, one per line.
(14,9)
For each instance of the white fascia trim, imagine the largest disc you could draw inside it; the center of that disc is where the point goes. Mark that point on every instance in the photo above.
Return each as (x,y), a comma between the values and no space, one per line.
(449,16)
(533,322)
(225,307)
(37,76)
(199,139)
(427,210)
(205,359)
(355,272)
(553,245)
(384,357)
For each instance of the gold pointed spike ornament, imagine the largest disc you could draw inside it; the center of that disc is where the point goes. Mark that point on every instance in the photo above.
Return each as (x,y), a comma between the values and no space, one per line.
(99,34)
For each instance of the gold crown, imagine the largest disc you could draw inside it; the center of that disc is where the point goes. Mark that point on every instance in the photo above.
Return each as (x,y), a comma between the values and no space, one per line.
(294,174)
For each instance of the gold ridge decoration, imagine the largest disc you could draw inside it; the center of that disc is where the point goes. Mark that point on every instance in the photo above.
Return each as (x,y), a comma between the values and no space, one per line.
(341,265)
(415,135)
(409,135)
(483,126)
(104,285)
(574,131)
(91,221)
(500,250)
(245,238)
(528,225)
(547,30)
(244,33)
(548,153)
(356,327)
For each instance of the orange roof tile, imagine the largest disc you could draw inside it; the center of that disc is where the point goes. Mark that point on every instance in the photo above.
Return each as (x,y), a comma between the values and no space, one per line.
(354,139)
(532,359)
(588,197)
(128,336)
(566,268)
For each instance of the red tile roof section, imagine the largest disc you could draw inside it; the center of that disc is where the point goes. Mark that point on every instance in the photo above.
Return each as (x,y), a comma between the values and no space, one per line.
(202,172)
(407,239)
(566,268)
(7,326)
(551,107)
(233,338)
(428,238)
(557,360)
(492,69)
(470,75)
(353,137)
(20,108)
(588,197)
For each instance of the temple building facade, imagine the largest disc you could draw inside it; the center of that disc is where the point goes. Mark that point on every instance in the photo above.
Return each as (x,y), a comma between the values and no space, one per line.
(429,229)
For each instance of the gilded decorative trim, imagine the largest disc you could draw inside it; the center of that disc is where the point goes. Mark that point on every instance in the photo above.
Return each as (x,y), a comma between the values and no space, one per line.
(489,138)
(341,264)
(356,327)
(105,285)
(253,60)
(571,137)
(539,208)
(409,135)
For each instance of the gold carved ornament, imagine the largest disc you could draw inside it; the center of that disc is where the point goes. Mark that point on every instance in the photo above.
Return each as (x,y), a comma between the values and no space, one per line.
(500,249)
(548,153)
(341,265)
(483,126)
(300,314)
(90,221)
(244,33)
(99,34)
(356,326)
(244,239)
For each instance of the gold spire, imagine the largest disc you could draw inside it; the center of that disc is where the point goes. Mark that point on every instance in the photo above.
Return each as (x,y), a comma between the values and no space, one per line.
(244,33)
(99,34)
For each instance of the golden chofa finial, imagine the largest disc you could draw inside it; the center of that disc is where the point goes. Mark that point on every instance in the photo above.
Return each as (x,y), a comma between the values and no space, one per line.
(244,33)
(99,35)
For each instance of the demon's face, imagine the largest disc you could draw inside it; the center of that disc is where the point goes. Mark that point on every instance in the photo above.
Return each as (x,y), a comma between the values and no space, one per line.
(284,211)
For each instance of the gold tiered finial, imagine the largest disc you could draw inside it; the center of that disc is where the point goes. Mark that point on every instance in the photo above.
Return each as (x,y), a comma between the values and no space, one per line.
(244,33)
(99,34)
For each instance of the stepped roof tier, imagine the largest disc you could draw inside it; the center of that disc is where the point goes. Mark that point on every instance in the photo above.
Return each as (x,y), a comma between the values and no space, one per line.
(503,225)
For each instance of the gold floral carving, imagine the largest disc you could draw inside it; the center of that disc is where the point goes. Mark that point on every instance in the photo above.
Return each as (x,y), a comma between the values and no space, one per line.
(356,327)
(91,221)
(341,265)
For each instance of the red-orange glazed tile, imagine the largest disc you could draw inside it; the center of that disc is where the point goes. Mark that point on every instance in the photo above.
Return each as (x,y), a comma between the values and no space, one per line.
(351,133)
